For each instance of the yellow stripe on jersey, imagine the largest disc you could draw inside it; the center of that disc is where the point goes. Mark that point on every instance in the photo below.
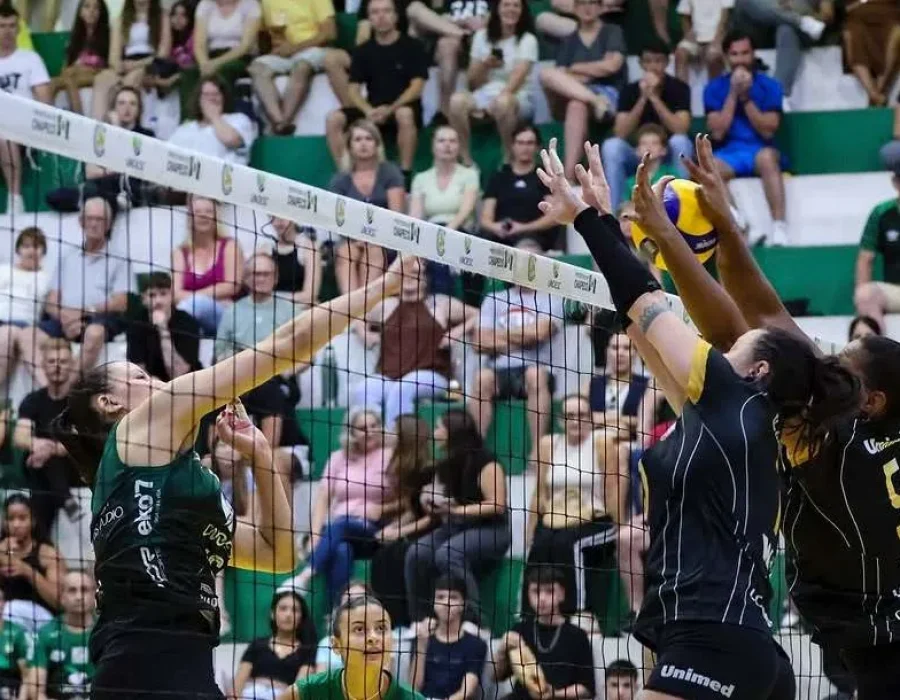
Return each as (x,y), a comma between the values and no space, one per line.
(697,377)
(797,453)
(645,488)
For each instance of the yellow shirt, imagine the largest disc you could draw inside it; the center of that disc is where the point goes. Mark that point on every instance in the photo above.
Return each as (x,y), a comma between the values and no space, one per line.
(301,19)
(23,38)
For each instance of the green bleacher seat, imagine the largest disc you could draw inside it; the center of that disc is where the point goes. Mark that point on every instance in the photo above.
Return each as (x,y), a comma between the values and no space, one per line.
(51,46)
(322,427)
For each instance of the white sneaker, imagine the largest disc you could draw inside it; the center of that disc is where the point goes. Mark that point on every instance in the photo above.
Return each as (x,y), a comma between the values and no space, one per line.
(812,27)
(779,234)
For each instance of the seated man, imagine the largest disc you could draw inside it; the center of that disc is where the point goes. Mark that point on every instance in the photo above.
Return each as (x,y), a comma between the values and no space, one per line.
(743,112)
(548,657)
(621,680)
(514,333)
(89,293)
(881,235)
(299,32)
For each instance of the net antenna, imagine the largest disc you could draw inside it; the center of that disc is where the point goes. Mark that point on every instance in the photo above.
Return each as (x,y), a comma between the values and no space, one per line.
(47,128)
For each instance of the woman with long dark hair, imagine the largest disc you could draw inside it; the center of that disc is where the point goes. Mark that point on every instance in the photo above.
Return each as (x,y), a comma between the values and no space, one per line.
(472,508)
(161,528)
(86,54)
(711,487)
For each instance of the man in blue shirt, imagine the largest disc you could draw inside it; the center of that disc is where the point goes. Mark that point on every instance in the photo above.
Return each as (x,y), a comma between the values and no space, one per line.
(743,111)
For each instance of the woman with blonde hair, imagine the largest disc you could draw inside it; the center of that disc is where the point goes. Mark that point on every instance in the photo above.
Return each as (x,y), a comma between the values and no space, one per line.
(365,176)
(207,269)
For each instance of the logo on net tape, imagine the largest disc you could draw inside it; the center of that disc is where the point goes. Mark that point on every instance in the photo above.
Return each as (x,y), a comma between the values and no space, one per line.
(554,282)
(183,165)
(501,258)
(409,231)
(340,212)
(48,123)
(466,259)
(227,179)
(440,242)
(585,282)
(303,199)
(259,197)
(532,268)
(100,140)
(368,229)
(136,162)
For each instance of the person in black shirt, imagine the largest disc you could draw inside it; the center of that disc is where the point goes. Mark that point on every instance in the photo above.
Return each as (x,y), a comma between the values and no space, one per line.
(711,487)
(393,67)
(163,340)
(657,98)
(448,661)
(48,472)
(547,655)
(509,212)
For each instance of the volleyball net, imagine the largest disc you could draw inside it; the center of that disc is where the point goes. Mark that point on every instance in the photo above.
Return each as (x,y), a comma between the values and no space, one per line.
(491,344)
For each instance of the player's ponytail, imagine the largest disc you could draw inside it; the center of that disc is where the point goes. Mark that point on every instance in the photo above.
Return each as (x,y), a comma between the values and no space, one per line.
(80,427)
(811,394)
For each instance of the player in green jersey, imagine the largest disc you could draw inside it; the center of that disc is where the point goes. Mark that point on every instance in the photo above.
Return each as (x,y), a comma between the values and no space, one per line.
(361,635)
(60,665)
(15,648)
(161,529)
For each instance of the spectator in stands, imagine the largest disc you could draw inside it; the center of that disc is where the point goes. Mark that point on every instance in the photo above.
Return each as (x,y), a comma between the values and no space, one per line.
(225,33)
(352,499)
(393,98)
(500,63)
(703,26)
(743,113)
(365,176)
(797,23)
(880,236)
(208,268)
(30,567)
(656,98)
(60,664)
(49,473)
(890,152)
(89,293)
(213,127)
(509,213)
(514,334)
(271,664)
(474,533)
(576,503)
(411,331)
(14,655)
(48,17)
(547,654)
(164,73)
(447,661)
(410,473)
(327,659)
(863,326)
(589,73)
(140,34)
(621,680)
(651,140)
(86,53)
(22,73)
(299,32)
(872,46)
(298,261)
(161,338)
(23,290)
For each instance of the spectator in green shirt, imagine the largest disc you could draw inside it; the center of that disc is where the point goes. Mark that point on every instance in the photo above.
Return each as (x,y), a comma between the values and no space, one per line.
(15,645)
(652,139)
(60,662)
(881,235)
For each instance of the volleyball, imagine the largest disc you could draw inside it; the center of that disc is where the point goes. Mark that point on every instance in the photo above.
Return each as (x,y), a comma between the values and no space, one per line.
(683,208)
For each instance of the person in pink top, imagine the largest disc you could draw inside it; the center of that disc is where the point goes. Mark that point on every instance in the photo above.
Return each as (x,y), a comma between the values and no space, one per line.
(354,498)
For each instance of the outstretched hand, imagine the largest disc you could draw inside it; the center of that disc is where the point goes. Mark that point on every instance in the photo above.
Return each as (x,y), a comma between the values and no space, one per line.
(235,429)
(649,211)
(404,266)
(594,187)
(715,201)
(563,203)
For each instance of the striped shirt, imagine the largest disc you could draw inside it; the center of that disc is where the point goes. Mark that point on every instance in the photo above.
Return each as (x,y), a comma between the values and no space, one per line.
(712,495)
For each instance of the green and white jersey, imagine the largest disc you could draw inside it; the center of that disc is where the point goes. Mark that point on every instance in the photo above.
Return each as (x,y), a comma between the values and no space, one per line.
(63,653)
(330,686)
(16,646)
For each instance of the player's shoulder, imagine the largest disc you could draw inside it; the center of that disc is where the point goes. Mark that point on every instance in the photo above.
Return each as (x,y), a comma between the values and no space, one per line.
(317,682)
(888,206)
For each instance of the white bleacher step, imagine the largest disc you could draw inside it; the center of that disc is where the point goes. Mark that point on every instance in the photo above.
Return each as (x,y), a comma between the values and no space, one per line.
(834,328)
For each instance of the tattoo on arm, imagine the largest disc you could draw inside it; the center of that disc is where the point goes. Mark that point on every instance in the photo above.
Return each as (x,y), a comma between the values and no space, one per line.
(649,314)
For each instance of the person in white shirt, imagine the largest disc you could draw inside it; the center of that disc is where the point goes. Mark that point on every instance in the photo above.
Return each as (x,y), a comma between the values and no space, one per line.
(22,73)
(703,25)
(23,289)
(214,128)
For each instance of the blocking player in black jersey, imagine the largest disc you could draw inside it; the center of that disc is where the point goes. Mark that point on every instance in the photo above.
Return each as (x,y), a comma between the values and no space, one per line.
(711,486)
(842,517)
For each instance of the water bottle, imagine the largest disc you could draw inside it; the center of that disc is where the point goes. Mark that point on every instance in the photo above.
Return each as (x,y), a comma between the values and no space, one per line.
(330,381)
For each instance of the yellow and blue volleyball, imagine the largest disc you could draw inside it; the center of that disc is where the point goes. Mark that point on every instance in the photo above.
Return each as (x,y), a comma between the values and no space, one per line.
(683,208)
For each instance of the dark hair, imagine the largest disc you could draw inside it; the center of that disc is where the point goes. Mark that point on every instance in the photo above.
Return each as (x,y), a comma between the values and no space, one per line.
(621,667)
(355,602)
(80,428)
(33,234)
(864,321)
(464,443)
(97,41)
(157,280)
(154,19)
(734,36)
(227,99)
(180,36)
(7,10)
(445,582)
(18,498)
(654,129)
(811,394)
(305,631)
(526,126)
(543,575)
(877,361)
(495,31)
(411,457)
(656,46)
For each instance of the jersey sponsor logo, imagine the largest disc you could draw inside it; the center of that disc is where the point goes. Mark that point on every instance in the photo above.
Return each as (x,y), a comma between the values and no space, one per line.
(79,655)
(892,235)
(216,536)
(153,566)
(689,675)
(105,519)
(146,503)
(873,447)
(57,656)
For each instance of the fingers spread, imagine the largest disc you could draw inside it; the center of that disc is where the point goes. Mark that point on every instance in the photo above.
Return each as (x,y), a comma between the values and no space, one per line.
(545,178)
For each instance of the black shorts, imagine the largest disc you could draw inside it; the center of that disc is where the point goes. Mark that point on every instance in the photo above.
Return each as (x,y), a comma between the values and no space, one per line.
(876,671)
(510,383)
(711,661)
(268,399)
